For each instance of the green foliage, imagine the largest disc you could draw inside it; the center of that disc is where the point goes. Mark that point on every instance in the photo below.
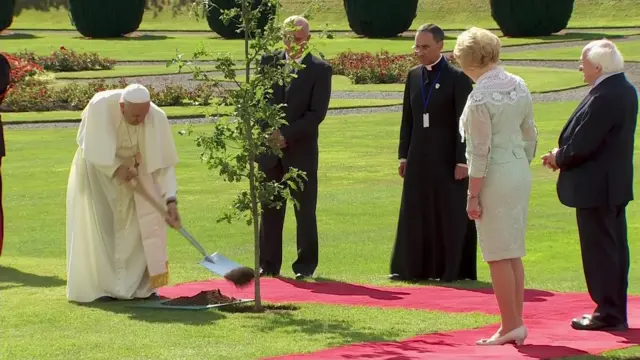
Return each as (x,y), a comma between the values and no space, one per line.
(228,26)
(524,18)
(380,18)
(38,94)
(106,18)
(237,141)
(7,8)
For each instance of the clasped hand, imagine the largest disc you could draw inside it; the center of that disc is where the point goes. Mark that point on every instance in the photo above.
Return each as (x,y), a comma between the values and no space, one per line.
(549,160)
(276,138)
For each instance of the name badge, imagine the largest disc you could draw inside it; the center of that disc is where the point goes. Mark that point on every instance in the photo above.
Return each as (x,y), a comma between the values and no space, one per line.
(425,120)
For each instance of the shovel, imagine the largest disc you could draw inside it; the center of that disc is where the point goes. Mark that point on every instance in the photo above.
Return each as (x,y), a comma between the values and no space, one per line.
(215,263)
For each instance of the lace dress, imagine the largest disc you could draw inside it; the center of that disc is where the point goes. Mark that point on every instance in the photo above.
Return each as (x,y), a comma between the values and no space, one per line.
(501,142)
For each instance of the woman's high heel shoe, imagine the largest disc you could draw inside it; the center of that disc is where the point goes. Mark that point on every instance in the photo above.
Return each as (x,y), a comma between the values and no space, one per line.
(517,335)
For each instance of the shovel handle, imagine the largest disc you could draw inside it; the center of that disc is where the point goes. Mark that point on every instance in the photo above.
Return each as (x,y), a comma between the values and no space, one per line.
(137,186)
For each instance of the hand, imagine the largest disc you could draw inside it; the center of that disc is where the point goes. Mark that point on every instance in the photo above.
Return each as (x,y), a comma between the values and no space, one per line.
(173,218)
(549,160)
(473,207)
(401,168)
(125,173)
(279,140)
(461,172)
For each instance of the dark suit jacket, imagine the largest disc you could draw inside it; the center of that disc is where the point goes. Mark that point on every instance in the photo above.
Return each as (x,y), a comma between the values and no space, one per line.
(307,102)
(596,147)
(5,77)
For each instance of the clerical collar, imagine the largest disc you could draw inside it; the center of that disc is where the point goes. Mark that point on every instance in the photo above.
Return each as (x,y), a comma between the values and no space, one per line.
(430,67)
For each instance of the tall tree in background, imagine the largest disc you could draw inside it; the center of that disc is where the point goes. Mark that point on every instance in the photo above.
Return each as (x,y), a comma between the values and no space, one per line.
(525,18)
(106,19)
(380,18)
(7,8)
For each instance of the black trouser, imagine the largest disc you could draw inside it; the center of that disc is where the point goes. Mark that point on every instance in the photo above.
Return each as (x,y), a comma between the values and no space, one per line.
(272,223)
(1,211)
(605,259)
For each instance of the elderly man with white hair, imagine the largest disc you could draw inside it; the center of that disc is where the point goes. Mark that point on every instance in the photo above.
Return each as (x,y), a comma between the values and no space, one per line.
(116,240)
(595,159)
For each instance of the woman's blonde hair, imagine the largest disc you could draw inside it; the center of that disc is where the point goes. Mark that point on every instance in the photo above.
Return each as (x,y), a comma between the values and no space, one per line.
(477,48)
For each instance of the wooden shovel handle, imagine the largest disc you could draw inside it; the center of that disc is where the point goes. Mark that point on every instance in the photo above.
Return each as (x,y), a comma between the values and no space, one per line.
(138,187)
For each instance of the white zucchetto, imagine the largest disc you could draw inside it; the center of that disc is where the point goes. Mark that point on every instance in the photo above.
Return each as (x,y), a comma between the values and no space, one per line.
(136,93)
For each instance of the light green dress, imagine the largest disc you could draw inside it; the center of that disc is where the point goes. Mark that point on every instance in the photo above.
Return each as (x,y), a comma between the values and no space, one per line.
(501,139)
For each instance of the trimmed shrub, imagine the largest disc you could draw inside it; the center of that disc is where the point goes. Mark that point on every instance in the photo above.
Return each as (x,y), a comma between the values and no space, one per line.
(524,18)
(230,30)
(7,8)
(106,18)
(380,18)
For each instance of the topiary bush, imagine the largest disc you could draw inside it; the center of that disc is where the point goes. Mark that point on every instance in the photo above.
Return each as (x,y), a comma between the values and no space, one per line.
(525,18)
(380,18)
(106,18)
(7,8)
(230,30)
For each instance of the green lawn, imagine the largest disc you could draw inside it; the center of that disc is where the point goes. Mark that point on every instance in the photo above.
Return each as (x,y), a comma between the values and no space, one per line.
(357,214)
(539,80)
(183,111)
(630,51)
(165,47)
(131,70)
(453,14)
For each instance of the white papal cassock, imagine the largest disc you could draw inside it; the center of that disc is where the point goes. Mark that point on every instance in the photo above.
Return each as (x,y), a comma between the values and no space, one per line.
(116,241)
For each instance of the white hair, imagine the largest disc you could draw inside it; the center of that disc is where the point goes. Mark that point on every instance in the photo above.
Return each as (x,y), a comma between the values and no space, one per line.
(605,54)
(298,21)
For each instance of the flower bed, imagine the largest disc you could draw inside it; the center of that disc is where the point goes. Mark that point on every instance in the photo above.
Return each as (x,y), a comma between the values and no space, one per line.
(38,95)
(31,90)
(379,68)
(64,60)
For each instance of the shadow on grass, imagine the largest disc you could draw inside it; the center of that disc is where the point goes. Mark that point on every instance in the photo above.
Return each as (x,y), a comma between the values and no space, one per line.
(156,315)
(17,36)
(145,37)
(15,276)
(575,36)
(266,308)
(336,331)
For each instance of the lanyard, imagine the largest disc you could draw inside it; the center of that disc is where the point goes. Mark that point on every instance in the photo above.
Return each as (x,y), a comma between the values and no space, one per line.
(425,100)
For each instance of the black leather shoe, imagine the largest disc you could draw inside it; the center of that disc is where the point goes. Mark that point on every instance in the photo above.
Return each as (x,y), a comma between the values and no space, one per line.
(302,276)
(586,322)
(268,273)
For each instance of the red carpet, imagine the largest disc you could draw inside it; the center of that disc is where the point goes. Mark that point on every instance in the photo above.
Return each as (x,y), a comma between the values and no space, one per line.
(547,316)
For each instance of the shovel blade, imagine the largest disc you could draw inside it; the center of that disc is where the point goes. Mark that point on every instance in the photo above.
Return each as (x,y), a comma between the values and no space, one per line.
(221,264)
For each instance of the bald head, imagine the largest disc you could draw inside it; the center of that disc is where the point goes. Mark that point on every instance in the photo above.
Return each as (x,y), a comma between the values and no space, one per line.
(297,33)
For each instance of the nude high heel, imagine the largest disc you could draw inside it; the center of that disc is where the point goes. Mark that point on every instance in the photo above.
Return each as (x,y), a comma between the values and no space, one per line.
(517,335)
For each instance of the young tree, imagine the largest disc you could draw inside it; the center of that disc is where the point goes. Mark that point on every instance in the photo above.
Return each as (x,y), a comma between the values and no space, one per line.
(246,130)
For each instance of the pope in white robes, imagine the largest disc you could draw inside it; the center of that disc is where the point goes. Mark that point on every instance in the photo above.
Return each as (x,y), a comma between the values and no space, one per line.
(116,240)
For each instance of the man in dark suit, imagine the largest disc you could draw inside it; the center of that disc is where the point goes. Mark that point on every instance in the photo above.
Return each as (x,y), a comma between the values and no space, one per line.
(5,78)
(595,159)
(307,102)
